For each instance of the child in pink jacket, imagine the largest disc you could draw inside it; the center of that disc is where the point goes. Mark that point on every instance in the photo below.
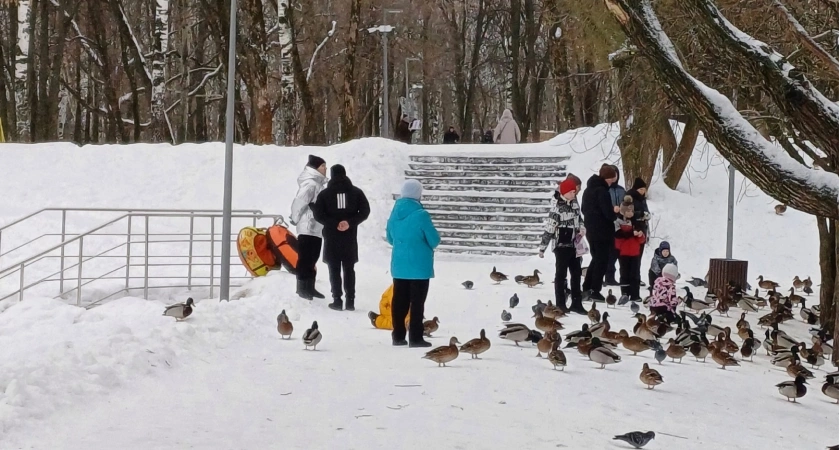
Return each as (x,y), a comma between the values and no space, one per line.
(664,300)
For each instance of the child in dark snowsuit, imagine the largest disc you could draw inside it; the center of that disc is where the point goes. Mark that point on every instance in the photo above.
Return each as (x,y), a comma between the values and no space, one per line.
(628,240)
(661,257)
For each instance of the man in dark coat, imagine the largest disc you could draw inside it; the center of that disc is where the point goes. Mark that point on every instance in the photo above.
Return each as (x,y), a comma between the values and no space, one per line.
(599,216)
(403,131)
(617,193)
(341,207)
(451,137)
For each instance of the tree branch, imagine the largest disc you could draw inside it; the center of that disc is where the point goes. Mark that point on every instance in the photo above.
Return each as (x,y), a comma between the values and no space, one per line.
(799,32)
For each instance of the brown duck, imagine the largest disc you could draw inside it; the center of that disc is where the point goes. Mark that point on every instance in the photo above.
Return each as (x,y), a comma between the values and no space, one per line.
(642,330)
(545,324)
(547,342)
(650,377)
(532,280)
(556,356)
(552,312)
(635,344)
(797,283)
(497,276)
(444,354)
(284,326)
(767,284)
(593,314)
(674,351)
(430,326)
(722,357)
(476,346)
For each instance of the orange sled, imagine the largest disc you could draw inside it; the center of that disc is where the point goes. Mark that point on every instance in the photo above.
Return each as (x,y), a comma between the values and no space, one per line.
(264,249)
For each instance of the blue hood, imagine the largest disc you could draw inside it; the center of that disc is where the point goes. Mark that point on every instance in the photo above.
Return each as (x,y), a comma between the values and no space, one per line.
(405,207)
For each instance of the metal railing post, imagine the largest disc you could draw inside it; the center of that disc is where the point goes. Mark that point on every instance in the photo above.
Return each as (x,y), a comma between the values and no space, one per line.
(63,231)
(22,283)
(190,263)
(212,252)
(128,256)
(79,272)
(146,263)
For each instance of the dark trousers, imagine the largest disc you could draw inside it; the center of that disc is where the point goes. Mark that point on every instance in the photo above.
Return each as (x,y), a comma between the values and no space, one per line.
(652,276)
(664,312)
(610,275)
(409,295)
(630,267)
(349,278)
(566,260)
(600,251)
(309,250)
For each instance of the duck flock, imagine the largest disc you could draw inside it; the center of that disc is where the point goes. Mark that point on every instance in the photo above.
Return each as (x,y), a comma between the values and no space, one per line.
(693,334)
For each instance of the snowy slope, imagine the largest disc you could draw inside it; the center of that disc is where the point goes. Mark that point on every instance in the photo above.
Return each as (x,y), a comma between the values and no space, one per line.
(122,376)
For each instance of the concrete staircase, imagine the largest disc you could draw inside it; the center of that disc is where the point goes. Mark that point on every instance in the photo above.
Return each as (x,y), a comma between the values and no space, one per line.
(488,205)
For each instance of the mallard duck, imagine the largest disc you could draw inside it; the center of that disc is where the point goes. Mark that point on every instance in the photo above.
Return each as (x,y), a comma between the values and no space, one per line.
(729,345)
(700,350)
(723,358)
(180,311)
(556,356)
(641,328)
(749,346)
(601,354)
(797,283)
(430,326)
(674,351)
(695,304)
(768,285)
(284,326)
(611,300)
(807,315)
(636,344)
(636,438)
(593,314)
(468,284)
(583,346)
(650,377)
(514,301)
(532,280)
(813,356)
(545,344)
(477,346)
(795,369)
(498,277)
(793,389)
(506,316)
(807,290)
(807,283)
(553,312)
(444,354)
(782,338)
(518,332)
(783,358)
(602,327)
(747,305)
(793,298)
(312,337)
(545,324)
(742,322)
(780,209)
(722,306)
(829,388)
(711,328)
(576,336)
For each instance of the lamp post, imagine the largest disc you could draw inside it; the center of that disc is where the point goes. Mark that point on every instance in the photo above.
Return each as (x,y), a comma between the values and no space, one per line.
(384,29)
(730,212)
(224,288)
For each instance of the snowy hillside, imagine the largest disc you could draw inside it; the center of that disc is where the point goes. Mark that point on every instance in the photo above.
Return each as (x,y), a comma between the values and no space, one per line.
(122,376)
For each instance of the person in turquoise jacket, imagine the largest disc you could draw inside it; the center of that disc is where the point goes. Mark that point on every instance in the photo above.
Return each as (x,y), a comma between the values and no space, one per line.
(414,238)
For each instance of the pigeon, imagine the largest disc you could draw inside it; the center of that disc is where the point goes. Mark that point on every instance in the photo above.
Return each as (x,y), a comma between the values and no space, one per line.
(506,316)
(623,300)
(807,290)
(634,307)
(697,282)
(467,284)
(538,306)
(636,438)
(514,301)
(660,354)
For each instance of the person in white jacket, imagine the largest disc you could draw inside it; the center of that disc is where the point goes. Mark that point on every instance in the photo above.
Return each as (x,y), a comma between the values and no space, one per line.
(507,130)
(311,182)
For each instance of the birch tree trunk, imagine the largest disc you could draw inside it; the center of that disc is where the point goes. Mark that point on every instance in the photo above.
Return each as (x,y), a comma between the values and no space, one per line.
(161,129)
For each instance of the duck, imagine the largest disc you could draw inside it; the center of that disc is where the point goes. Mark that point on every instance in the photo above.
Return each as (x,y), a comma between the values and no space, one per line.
(583,346)
(477,346)
(700,350)
(641,328)
(444,354)
(506,316)
(813,356)
(518,332)
(722,306)
(768,285)
(783,358)
(576,336)
(782,338)
(807,290)
(749,347)
(795,369)
(695,304)
(793,389)
(829,388)
(697,282)
(602,355)
(468,285)
(312,337)
(711,328)
(518,279)
(807,283)
(768,344)
(532,280)
(284,326)
(497,276)
(723,358)
(636,344)
(793,298)
(807,315)
(674,351)
(514,301)
(747,304)
(546,324)
(797,283)
(611,300)
(430,326)
(545,344)
(556,356)
(650,377)
(601,327)
(553,312)
(728,344)
(780,209)
(180,311)
(593,314)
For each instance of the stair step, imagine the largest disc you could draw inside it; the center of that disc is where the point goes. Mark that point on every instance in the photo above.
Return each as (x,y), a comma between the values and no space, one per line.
(488,226)
(488,217)
(540,190)
(490,251)
(484,197)
(488,208)
(488,167)
(488,159)
(484,235)
(488,243)
(489,181)
(554,175)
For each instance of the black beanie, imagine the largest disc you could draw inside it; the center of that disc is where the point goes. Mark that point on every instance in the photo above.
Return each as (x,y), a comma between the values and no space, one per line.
(638,184)
(338,171)
(315,161)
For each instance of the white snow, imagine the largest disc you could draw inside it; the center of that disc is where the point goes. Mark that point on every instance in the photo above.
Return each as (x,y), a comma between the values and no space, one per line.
(123,376)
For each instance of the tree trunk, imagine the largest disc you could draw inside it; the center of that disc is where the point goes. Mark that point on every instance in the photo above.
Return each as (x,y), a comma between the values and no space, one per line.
(828,270)
(255,71)
(675,164)
(348,110)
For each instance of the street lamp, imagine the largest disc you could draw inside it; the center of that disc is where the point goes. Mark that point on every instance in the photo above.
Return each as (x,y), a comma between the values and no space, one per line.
(384,29)
(224,288)
(406,73)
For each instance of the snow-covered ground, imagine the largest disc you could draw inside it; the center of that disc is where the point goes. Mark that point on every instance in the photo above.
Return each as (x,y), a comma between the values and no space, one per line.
(122,376)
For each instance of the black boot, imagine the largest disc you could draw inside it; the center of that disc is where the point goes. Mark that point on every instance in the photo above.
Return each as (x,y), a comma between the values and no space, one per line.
(351,304)
(373,316)
(312,291)
(419,343)
(303,290)
(577,307)
(336,304)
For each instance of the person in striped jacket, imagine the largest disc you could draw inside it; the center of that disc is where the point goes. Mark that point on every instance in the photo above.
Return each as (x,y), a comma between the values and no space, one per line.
(562,226)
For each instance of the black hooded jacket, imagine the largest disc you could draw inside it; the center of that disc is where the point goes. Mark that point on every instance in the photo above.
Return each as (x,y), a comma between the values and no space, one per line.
(597,209)
(341,201)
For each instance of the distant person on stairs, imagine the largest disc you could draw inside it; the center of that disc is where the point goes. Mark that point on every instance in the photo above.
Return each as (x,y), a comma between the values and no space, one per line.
(563,226)
(340,208)
(403,131)
(599,217)
(414,238)
(617,193)
(451,137)
(507,130)
(487,137)
(310,183)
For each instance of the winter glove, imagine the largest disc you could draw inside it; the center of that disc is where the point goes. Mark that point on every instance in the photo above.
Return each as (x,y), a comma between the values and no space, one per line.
(646,216)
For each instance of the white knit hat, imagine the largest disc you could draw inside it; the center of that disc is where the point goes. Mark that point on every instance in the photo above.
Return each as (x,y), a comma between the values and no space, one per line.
(670,271)
(411,189)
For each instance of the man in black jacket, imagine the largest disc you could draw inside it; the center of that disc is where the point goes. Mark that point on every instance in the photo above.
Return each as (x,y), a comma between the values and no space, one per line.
(451,137)
(341,207)
(599,216)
